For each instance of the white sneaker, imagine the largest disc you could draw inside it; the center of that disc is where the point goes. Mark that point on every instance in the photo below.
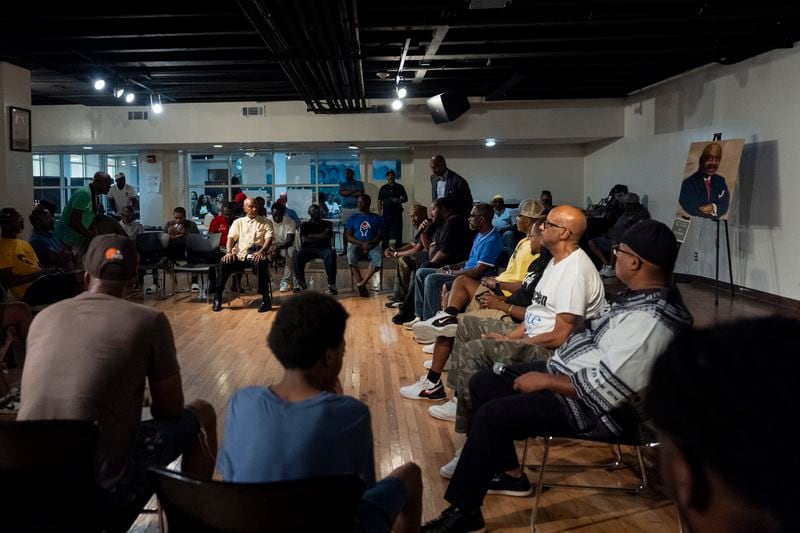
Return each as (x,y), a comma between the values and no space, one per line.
(425,341)
(195,287)
(445,411)
(428,364)
(608,272)
(428,348)
(410,323)
(424,390)
(440,324)
(447,470)
(284,287)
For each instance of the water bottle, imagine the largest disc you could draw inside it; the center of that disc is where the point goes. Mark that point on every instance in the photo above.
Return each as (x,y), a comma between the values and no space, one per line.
(311,283)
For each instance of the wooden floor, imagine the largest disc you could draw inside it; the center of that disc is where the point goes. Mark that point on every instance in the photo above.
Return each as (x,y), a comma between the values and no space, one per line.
(221,352)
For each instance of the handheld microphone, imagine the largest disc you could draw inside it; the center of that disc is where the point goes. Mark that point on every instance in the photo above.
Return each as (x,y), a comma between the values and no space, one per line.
(504,370)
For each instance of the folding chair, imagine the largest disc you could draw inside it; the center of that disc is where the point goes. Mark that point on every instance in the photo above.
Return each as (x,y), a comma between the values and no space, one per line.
(201,247)
(152,247)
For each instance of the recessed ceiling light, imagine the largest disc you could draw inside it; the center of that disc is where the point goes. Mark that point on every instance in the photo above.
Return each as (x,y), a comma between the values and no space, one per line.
(490,142)
(99,84)
(88,148)
(397,105)
(353,147)
(217,146)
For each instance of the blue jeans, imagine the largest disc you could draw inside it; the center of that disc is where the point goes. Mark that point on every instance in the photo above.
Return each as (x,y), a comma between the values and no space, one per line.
(428,289)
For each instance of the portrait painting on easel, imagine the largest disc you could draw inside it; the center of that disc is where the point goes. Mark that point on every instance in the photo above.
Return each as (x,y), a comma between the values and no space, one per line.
(709,179)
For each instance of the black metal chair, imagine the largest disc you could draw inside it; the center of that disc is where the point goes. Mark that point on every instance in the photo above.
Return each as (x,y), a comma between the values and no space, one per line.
(201,505)
(152,247)
(47,476)
(199,248)
(644,438)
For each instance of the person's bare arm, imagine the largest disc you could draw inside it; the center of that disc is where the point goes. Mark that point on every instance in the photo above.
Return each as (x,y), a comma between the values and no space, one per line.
(538,381)
(166,397)
(76,223)
(565,325)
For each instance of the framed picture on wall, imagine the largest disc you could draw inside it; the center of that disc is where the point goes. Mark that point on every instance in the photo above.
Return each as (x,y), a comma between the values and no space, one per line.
(381,167)
(20,127)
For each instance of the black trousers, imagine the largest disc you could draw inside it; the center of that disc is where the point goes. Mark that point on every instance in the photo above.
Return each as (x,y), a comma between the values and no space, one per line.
(261,269)
(392,224)
(306,254)
(500,416)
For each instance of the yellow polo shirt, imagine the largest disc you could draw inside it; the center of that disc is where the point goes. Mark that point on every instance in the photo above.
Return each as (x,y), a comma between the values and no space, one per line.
(518,265)
(19,256)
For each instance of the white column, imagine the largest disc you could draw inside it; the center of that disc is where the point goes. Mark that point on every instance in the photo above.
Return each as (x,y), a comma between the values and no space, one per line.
(16,168)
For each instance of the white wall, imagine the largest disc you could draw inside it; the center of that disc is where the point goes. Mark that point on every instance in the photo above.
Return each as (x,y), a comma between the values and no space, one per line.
(756,100)
(16,168)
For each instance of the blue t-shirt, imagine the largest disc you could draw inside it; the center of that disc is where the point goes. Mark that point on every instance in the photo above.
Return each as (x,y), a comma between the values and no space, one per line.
(485,249)
(350,202)
(502,221)
(364,227)
(268,439)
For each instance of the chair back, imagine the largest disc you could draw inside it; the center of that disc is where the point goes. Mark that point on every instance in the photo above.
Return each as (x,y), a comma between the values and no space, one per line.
(152,244)
(316,504)
(47,476)
(200,245)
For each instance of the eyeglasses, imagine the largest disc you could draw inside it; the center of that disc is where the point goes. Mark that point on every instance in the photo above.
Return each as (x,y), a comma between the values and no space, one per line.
(547,224)
(617,250)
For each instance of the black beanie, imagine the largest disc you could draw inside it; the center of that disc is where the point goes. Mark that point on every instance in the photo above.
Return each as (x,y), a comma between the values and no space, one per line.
(654,242)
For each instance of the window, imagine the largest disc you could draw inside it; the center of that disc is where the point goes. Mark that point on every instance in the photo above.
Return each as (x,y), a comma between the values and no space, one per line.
(306,177)
(57,176)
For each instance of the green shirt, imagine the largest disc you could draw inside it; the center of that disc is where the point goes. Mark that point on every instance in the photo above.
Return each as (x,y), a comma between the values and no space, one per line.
(82,200)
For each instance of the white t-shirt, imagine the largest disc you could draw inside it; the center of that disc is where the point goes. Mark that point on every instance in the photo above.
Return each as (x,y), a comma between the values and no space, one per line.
(570,286)
(122,197)
(283,229)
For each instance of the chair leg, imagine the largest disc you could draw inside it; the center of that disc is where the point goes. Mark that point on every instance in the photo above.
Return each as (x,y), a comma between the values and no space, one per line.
(540,481)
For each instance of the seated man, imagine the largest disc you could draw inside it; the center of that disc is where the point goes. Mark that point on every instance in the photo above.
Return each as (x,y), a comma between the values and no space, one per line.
(363,234)
(129,225)
(486,247)
(569,291)
(494,313)
(283,245)
(50,251)
(21,272)
(719,411)
(248,245)
(304,427)
(177,229)
(592,386)
(447,239)
(603,246)
(315,243)
(466,288)
(103,379)
(407,256)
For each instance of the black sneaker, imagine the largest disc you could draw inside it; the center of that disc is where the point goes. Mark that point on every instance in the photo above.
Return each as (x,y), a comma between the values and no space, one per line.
(300,287)
(454,520)
(332,290)
(502,483)
(401,318)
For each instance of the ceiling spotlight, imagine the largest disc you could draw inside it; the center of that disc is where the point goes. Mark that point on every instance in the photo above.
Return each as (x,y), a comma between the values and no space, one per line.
(490,142)
(217,146)
(383,75)
(118,92)
(402,92)
(129,97)
(87,148)
(99,84)
(157,108)
(397,105)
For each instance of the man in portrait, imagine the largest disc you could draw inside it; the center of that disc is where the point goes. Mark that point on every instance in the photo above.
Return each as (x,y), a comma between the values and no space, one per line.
(705,193)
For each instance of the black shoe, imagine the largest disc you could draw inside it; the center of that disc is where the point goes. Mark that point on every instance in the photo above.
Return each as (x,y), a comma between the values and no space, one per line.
(265,306)
(363,291)
(300,287)
(332,290)
(217,305)
(454,520)
(401,318)
(502,483)
(392,298)
(394,305)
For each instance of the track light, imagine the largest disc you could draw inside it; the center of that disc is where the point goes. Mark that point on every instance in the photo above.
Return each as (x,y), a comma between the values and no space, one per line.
(401,92)
(156,105)
(129,97)
(397,105)
(490,142)
(99,84)
(118,92)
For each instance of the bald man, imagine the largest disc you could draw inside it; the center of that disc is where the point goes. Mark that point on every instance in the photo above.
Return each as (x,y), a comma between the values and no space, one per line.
(569,291)
(705,193)
(445,183)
